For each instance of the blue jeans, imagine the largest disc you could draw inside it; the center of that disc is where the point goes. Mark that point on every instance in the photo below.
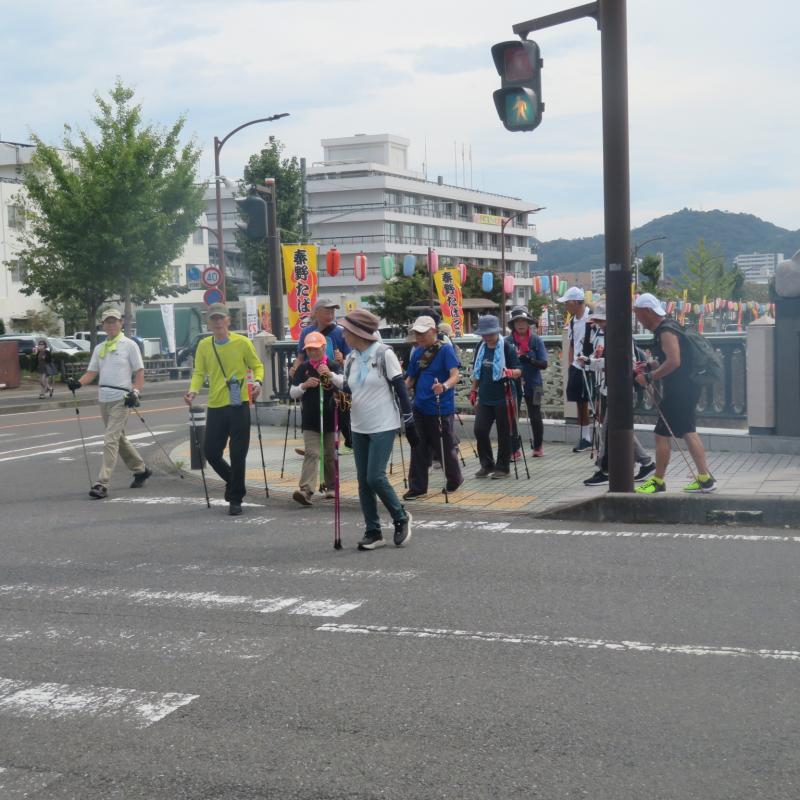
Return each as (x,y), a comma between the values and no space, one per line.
(371,452)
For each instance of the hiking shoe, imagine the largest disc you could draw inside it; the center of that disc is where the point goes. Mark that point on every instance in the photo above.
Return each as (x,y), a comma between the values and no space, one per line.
(345,451)
(645,471)
(300,451)
(330,494)
(302,498)
(98,491)
(499,473)
(412,495)
(538,452)
(516,455)
(371,540)
(702,483)
(651,486)
(234,509)
(402,531)
(583,444)
(454,489)
(598,479)
(140,477)
(483,472)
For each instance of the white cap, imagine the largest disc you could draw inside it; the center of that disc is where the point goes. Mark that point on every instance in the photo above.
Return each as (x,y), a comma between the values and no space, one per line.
(573,293)
(599,312)
(650,301)
(423,324)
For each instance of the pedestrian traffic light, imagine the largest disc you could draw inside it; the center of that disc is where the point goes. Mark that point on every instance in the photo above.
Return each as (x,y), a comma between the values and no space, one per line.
(519,101)
(254,212)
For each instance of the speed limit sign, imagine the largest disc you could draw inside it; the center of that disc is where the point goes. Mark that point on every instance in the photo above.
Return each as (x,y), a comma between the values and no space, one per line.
(212,277)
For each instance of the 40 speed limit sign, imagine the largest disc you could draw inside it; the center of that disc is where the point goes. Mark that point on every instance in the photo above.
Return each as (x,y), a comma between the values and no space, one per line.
(212,277)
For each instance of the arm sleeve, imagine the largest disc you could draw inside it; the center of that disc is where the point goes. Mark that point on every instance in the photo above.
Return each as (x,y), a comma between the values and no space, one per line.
(540,361)
(295,392)
(136,357)
(200,369)
(94,361)
(301,340)
(252,360)
(512,359)
(450,358)
(401,393)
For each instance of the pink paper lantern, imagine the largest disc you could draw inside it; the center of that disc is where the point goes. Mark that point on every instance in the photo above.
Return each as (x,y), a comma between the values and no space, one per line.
(462,273)
(360,267)
(433,262)
(508,284)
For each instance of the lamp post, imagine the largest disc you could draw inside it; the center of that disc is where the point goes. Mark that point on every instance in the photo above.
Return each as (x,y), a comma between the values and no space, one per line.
(218,145)
(634,253)
(505,221)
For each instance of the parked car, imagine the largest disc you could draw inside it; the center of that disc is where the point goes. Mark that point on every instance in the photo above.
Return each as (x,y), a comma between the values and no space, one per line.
(87,335)
(26,342)
(60,346)
(80,344)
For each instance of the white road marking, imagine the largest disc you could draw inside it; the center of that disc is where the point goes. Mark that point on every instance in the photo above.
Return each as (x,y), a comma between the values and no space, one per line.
(505,527)
(174,501)
(56,450)
(88,439)
(566,641)
(54,701)
(148,597)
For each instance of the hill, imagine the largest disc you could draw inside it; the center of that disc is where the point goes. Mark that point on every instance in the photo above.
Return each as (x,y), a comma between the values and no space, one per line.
(734,233)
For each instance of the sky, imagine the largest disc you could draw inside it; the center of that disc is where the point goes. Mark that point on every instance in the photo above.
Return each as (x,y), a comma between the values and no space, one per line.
(713,99)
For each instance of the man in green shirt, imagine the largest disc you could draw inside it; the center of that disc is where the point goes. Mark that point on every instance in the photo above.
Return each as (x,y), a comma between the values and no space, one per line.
(225,358)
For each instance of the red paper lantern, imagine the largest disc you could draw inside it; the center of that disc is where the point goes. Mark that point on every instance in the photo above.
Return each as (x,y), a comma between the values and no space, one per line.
(462,273)
(360,267)
(333,261)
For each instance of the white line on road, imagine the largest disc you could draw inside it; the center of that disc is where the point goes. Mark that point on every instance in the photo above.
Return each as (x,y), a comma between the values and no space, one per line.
(566,641)
(53,701)
(505,527)
(58,450)
(174,501)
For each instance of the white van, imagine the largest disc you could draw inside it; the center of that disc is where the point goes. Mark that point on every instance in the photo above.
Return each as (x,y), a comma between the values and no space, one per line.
(87,335)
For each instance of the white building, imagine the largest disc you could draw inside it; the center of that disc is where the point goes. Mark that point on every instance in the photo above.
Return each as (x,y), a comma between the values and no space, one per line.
(758,267)
(598,279)
(363,197)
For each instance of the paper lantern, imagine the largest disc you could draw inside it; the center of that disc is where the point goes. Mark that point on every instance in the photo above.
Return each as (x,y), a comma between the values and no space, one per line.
(545,283)
(562,287)
(409,265)
(537,284)
(360,267)
(508,284)
(433,262)
(333,261)
(487,281)
(462,273)
(554,280)
(387,267)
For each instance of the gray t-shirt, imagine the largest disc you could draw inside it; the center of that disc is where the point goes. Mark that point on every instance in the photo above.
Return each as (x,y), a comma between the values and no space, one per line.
(116,369)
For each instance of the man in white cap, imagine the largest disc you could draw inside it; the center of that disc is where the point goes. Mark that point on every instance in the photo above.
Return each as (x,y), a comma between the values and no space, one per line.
(678,402)
(579,347)
(118,363)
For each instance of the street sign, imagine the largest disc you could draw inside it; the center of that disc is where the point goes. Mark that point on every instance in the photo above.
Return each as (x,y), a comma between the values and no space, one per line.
(213,296)
(212,278)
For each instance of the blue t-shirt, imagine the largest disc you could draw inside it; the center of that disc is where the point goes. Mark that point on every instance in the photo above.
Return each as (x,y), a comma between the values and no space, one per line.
(439,368)
(333,333)
(490,391)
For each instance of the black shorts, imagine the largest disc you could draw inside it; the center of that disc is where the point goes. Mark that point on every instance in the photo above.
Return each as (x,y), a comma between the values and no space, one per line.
(576,385)
(679,407)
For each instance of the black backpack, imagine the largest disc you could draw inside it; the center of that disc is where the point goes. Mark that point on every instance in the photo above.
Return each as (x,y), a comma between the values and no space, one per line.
(706,367)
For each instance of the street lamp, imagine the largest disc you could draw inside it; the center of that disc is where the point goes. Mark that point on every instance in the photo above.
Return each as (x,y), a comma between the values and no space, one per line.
(635,251)
(505,221)
(218,144)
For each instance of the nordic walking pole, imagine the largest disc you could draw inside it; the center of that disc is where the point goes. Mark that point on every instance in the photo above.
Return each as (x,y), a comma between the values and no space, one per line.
(261,448)
(656,398)
(402,458)
(461,423)
(509,412)
(286,437)
(592,408)
(135,409)
(192,425)
(337,517)
(441,439)
(321,435)
(517,437)
(83,441)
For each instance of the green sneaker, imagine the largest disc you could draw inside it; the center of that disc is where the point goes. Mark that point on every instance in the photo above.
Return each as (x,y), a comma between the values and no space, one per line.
(702,483)
(652,486)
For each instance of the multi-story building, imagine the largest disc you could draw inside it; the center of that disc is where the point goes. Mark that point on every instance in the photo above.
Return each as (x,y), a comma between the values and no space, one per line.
(758,267)
(598,279)
(363,198)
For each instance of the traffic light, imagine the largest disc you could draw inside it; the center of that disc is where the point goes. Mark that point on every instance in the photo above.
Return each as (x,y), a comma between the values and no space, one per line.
(519,103)
(254,212)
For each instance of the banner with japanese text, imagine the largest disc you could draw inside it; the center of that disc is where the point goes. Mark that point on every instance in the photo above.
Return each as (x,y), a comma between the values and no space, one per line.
(300,269)
(448,288)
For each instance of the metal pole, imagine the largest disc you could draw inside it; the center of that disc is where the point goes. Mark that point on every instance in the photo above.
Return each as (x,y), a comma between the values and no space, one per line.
(304,198)
(274,274)
(503,275)
(220,241)
(616,190)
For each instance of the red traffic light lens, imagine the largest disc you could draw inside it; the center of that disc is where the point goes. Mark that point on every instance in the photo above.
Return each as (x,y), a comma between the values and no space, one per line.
(517,64)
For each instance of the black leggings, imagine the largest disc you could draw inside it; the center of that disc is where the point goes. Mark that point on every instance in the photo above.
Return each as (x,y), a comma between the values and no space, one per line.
(535,417)
(229,422)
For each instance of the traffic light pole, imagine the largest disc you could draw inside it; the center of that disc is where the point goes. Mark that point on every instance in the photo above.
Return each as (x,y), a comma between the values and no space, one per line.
(611,20)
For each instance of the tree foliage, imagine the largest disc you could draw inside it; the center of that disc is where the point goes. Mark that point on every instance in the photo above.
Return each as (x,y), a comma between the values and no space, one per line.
(650,274)
(39,322)
(108,215)
(397,294)
(705,276)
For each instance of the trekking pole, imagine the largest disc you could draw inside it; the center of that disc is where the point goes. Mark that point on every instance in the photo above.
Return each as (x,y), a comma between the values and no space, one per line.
(402,458)
(512,442)
(321,436)
(461,423)
(135,409)
(441,441)
(192,411)
(517,437)
(261,448)
(337,516)
(286,436)
(592,408)
(83,441)
(656,398)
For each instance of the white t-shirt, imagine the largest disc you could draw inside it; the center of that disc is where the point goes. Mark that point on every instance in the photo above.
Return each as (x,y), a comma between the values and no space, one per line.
(374,409)
(116,369)
(577,330)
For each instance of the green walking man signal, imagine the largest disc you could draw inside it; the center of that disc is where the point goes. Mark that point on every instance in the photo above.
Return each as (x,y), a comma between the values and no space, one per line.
(519,102)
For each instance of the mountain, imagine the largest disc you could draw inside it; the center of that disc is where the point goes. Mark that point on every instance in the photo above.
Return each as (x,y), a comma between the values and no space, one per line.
(734,233)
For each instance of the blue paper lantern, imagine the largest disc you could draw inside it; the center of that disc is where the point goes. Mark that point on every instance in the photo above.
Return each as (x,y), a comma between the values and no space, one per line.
(409,265)
(487,281)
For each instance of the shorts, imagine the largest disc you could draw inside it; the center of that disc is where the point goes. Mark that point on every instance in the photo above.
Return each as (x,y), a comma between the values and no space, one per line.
(576,385)
(679,408)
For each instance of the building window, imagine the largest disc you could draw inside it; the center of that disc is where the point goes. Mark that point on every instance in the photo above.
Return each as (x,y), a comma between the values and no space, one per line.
(197,236)
(393,229)
(175,274)
(410,231)
(462,210)
(15,217)
(391,198)
(463,237)
(480,238)
(18,272)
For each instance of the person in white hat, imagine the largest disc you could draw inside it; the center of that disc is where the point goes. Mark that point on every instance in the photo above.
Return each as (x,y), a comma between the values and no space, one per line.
(577,384)
(678,401)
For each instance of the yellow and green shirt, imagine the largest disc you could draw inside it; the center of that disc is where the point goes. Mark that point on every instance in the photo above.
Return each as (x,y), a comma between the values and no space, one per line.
(237,356)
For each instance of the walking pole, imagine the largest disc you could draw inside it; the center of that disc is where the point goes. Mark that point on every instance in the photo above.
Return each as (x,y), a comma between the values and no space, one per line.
(155,439)
(321,436)
(286,436)
(441,440)
(512,443)
(517,437)
(192,425)
(461,423)
(592,408)
(83,441)
(261,448)
(656,398)
(402,458)
(337,517)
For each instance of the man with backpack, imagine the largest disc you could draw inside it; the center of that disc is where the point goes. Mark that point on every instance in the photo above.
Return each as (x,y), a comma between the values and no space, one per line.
(682,366)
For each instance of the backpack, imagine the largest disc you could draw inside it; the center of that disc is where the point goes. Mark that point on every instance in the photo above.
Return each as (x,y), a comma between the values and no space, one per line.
(379,363)
(706,366)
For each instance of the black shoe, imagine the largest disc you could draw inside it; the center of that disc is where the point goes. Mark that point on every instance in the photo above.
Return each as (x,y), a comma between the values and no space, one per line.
(301,497)
(598,479)
(300,451)
(371,540)
(140,477)
(402,531)
(499,473)
(454,489)
(412,495)
(484,472)
(234,509)
(645,471)
(583,444)
(98,491)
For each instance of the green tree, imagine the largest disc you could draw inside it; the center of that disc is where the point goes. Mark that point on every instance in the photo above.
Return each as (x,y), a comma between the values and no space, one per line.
(705,276)
(270,163)
(397,294)
(649,274)
(39,322)
(536,304)
(109,215)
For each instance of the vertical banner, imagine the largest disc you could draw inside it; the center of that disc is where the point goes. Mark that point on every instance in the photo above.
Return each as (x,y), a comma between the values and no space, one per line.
(448,288)
(300,269)
(251,310)
(168,317)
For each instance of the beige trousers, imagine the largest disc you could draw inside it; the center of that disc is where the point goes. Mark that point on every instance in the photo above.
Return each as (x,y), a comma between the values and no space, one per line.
(309,475)
(115,415)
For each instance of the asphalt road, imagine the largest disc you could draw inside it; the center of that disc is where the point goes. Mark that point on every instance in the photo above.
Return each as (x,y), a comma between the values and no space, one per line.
(153,648)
